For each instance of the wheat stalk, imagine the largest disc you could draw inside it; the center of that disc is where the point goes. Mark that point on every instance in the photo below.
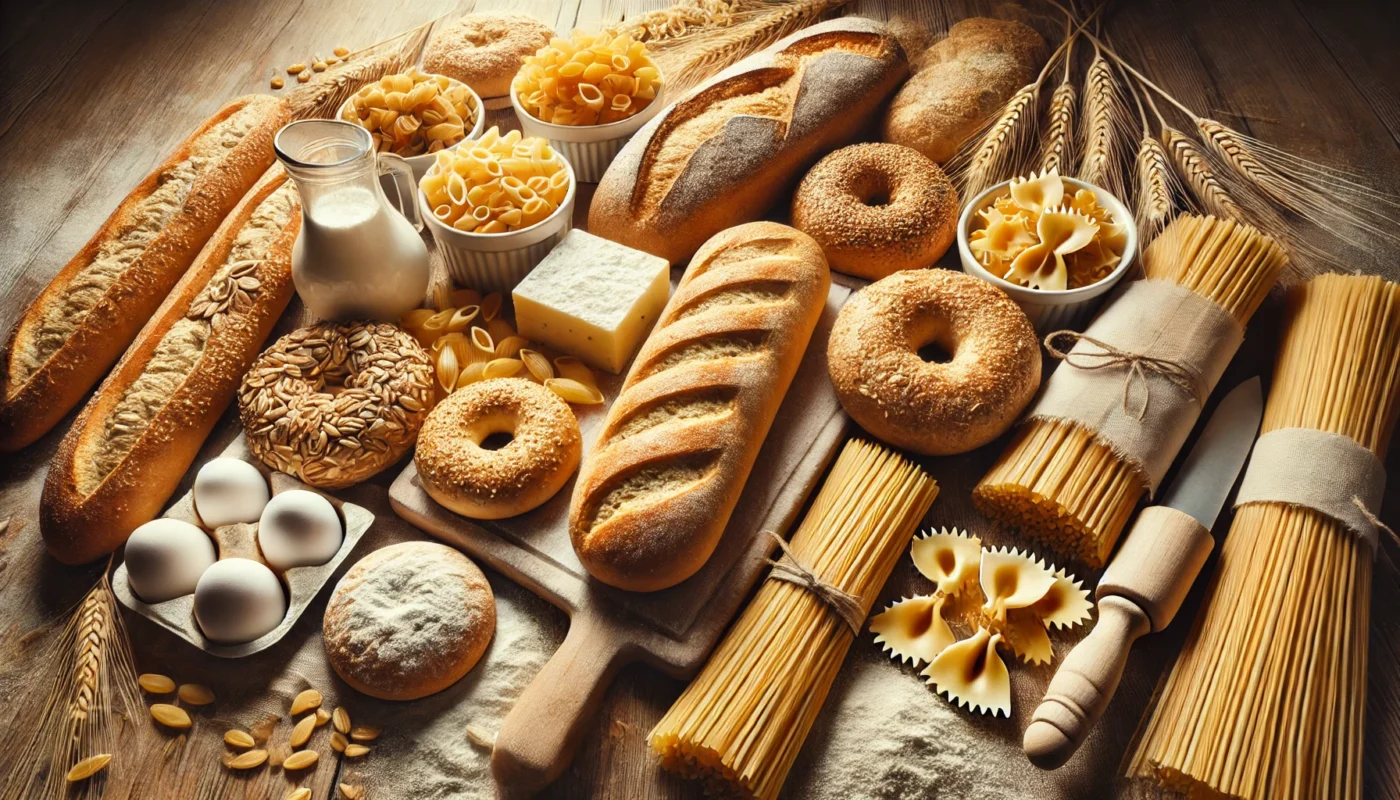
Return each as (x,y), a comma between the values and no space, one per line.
(682,19)
(1057,150)
(999,151)
(1194,167)
(688,60)
(95,681)
(1104,114)
(324,94)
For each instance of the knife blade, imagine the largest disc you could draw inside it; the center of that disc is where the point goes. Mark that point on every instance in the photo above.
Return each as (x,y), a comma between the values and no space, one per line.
(1148,578)
(1210,469)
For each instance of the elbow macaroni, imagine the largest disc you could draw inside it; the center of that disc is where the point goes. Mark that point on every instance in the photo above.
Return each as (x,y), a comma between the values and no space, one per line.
(496,184)
(587,80)
(413,113)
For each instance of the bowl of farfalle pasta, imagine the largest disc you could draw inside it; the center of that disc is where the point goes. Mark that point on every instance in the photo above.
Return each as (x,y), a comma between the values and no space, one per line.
(1055,245)
(416,115)
(496,205)
(587,95)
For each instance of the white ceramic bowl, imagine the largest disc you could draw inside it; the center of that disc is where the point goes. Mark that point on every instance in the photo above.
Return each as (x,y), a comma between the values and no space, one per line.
(496,262)
(589,148)
(1050,310)
(422,163)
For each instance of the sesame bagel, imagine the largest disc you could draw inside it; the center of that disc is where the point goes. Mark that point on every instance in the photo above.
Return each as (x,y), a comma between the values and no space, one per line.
(543,451)
(877,209)
(933,407)
(484,51)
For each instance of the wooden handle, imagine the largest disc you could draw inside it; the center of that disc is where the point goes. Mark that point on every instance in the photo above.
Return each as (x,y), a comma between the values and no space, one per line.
(1084,684)
(1157,562)
(541,732)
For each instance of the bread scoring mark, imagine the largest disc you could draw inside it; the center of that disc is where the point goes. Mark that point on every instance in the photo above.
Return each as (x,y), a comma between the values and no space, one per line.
(127,243)
(707,403)
(748,293)
(650,484)
(733,344)
(744,252)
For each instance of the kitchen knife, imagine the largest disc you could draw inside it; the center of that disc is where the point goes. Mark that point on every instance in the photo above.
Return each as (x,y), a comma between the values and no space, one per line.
(1147,580)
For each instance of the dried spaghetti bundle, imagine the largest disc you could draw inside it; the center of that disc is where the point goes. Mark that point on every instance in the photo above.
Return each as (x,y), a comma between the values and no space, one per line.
(1267,697)
(1066,483)
(741,722)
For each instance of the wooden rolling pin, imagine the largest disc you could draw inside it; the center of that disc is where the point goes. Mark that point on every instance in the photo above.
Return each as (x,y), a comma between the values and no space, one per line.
(1141,591)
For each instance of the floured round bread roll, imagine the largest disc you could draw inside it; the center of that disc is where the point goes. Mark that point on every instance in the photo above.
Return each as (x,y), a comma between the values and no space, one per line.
(409,620)
(484,51)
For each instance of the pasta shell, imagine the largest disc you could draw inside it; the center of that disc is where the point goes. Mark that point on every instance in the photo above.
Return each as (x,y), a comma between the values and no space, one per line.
(913,630)
(972,675)
(1012,580)
(948,558)
(574,392)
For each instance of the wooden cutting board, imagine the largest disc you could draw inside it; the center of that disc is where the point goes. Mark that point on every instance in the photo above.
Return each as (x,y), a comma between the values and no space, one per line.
(672,630)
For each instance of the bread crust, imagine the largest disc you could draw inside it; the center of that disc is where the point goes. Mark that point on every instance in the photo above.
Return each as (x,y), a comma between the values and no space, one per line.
(30,408)
(79,526)
(655,494)
(725,154)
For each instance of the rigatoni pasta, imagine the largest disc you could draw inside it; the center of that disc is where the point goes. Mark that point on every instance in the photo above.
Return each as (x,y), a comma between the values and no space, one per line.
(587,80)
(413,113)
(496,184)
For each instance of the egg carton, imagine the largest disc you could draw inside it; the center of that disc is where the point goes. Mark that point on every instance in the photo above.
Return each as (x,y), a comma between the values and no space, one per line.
(240,541)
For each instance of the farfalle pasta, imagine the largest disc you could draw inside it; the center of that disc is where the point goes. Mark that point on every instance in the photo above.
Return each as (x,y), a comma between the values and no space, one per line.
(496,184)
(413,113)
(587,80)
(971,674)
(1039,236)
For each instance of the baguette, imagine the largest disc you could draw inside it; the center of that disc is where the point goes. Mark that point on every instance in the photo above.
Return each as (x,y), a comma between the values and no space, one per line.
(655,494)
(84,319)
(133,442)
(726,153)
(960,82)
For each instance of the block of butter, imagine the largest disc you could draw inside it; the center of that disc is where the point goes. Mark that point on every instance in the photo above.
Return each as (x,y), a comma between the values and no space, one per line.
(594,299)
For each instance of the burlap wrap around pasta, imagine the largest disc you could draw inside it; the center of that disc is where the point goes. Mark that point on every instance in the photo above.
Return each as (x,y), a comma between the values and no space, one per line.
(1327,472)
(1142,414)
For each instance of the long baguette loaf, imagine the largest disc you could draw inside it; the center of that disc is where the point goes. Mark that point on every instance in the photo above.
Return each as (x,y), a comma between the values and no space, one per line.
(132,443)
(655,493)
(960,82)
(84,319)
(726,153)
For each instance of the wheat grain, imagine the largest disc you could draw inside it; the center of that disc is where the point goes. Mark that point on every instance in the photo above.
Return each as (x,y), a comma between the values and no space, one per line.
(364,733)
(1227,145)
(301,733)
(170,716)
(355,750)
(341,720)
(301,759)
(323,96)
(1154,190)
(196,695)
(338,741)
(249,760)
(305,701)
(239,739)
(1057,149)
(155,684)
(88,767)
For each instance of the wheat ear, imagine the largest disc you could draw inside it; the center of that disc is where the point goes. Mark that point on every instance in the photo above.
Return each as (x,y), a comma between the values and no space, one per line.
(1156,180)
(1101,161)
(1209,192)
(683,19)
(1056,148)
(323,96)
(93,695)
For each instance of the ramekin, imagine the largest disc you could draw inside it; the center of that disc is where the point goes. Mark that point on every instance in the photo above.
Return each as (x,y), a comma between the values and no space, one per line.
(496,262)
(589,148)
(1051,310)
(422,163)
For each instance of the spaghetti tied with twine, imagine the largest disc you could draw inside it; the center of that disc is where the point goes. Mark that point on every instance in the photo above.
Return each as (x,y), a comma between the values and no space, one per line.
(788,568)
(1185,377)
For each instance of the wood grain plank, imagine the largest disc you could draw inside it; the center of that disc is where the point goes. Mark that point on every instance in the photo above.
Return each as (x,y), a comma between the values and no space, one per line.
(1361,38)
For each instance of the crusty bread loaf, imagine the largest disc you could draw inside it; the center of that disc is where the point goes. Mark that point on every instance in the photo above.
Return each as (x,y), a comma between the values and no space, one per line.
(960,82)
(655,493)
(133,442)
(726,153)
(85,318)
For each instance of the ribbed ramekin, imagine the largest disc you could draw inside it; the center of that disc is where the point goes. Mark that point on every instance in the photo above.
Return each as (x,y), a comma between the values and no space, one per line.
(589,148)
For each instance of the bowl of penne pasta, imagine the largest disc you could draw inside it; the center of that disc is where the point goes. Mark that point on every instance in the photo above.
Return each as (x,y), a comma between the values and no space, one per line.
(416,115)
(496,205)
(587,95)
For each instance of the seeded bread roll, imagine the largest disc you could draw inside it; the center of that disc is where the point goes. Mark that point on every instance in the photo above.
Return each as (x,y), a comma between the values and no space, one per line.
(83,321)
(960,82)
(726,153)
(655,493)
(133,442)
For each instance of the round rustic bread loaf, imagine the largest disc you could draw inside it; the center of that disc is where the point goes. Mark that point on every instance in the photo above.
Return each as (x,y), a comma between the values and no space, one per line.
(484,51)
(409,620)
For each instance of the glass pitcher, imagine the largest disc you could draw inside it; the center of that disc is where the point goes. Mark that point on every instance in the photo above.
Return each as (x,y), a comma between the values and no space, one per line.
(357,256)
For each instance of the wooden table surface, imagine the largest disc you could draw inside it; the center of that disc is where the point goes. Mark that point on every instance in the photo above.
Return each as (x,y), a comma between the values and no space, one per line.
(96,92)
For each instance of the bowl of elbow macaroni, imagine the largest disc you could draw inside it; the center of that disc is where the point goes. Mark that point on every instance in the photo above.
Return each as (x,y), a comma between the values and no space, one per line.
(496,205)
(587,95)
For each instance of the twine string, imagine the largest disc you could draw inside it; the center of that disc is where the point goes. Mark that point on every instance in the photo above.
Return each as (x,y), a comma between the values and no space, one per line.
(1183,376)
(1374,520)
(788,568)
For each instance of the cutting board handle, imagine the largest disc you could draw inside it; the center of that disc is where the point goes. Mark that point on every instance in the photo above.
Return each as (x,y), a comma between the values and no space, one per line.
(541,732)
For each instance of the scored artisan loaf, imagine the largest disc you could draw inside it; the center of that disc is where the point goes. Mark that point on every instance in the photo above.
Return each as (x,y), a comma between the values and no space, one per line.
(655,493)
(85,318)
(960,82)
(132,443)
(726,153)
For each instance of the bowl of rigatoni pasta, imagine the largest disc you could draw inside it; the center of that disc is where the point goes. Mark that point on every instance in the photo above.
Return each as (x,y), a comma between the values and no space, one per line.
(587,95)
(496,205)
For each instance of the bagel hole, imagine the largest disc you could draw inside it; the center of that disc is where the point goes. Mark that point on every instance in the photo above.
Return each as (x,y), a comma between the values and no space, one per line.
(496,441)
(873,190)
(935,353)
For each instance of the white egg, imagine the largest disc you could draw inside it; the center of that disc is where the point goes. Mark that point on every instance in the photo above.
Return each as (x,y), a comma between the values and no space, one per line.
(229,490)
(165,557)
(299,528)
(238,600)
